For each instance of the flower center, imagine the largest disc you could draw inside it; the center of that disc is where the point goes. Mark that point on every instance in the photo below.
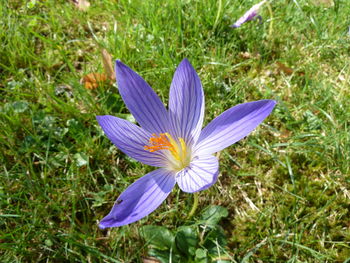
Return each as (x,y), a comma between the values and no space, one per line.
(179,156)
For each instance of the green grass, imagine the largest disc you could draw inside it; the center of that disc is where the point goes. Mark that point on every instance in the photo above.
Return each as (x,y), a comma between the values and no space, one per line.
(286,186)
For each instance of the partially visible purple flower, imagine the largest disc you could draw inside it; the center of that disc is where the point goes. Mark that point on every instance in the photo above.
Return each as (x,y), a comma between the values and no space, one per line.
(249,15)
(172,139)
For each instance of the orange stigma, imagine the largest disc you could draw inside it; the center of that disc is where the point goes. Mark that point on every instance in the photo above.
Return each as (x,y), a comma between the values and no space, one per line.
(161,142)
(179,157)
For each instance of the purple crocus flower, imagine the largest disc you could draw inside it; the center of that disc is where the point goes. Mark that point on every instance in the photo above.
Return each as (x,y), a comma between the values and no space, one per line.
(172,139)
(249,15)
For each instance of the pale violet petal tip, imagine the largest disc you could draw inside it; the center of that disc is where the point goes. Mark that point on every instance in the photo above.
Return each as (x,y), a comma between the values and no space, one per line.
(186,103)
(249,15)
(233,125)
(140,199)
(200,175)
(141,100)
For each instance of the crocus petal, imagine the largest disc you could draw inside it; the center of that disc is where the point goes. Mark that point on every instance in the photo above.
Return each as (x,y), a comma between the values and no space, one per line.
(232,125)
(186,103)
(249,15)
(141,100)
(140,199)
(130,139)
(199,175)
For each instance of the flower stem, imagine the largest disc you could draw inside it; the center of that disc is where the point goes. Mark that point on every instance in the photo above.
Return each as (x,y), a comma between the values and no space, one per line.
(194,206)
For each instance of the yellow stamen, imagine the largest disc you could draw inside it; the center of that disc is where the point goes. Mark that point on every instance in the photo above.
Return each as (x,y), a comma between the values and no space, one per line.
(183,149)
(180,157)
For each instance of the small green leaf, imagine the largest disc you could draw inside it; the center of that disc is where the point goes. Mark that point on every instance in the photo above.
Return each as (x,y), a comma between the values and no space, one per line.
(187,240)
(31,4)
(20,106)
(201,256)
(81,158)
(48,242)
(215,241)
(213,214)
(158,236)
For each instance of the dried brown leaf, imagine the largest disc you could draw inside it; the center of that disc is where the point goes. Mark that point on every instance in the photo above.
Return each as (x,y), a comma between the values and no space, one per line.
(107,64)
(286,70)
(285,134)
(150,260)
(93,80)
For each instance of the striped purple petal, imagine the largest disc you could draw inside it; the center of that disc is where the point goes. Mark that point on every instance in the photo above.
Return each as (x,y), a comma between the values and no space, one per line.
(140,199)
(233,125)
(186,103)
(199,175)
(141,100)
(249,15)
(130,139)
